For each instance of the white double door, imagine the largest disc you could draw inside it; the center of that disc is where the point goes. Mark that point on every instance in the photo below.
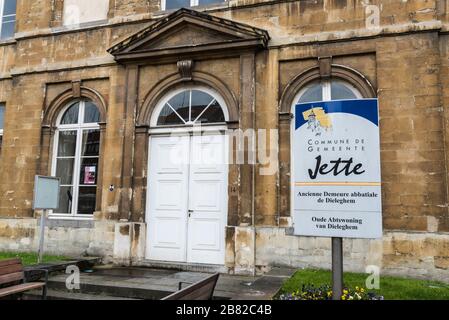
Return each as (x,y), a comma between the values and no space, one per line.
(187,198)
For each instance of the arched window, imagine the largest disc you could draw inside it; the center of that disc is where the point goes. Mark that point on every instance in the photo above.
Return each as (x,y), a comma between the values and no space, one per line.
(76,158)
(327,90)
(189,107)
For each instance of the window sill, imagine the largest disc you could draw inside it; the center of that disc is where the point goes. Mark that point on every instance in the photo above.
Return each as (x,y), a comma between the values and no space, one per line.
(203,8)
(62,30)
(81,26)
(69,218)
(7,42)
(73,222)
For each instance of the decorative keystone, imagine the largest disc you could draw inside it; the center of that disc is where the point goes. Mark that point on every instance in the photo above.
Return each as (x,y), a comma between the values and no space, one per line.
(185,68)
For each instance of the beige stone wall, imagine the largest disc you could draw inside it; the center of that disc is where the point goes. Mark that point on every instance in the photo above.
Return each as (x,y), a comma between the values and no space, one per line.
(66,238)
(7,59)
(421,255)
(412,134)
(34,15)
(124,8)
(405,60)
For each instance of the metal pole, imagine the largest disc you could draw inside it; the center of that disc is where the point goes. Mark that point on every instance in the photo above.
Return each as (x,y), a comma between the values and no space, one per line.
(337,268)
(42,234)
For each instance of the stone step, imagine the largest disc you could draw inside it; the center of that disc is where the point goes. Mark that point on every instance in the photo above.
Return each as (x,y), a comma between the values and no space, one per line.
(58,266)
(133,284)
(154,284)
(66,295)
(111,290)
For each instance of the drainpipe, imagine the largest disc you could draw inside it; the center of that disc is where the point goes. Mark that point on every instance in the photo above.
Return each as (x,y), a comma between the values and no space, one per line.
(253,173)
(253,216)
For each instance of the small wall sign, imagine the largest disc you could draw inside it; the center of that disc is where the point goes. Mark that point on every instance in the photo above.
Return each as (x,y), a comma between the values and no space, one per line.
(46,193)
(337,181)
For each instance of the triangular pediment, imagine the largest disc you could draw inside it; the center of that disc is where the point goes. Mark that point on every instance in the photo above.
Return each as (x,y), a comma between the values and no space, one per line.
(184,35)
(188,31)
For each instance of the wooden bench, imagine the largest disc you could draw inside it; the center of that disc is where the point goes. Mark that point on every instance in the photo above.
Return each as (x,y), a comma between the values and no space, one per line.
(202,290)
(12,279)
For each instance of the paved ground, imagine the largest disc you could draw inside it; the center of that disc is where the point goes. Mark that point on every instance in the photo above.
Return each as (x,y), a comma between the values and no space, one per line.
(151,283)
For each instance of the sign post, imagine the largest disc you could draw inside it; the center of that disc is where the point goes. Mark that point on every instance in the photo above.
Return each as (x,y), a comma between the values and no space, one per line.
(46,197)
(336,170)
(41,237)
(337,268)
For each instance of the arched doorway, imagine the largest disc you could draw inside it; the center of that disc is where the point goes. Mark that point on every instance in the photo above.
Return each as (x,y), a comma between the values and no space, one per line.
(187,191)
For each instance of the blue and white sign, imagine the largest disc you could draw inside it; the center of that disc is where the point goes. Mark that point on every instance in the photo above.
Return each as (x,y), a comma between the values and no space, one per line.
(336,169)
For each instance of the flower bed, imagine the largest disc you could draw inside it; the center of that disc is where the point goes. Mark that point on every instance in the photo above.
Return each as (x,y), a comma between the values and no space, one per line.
(390,287)
(311,292)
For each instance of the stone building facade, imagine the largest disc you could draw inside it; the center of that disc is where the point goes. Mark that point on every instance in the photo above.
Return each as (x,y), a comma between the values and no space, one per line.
(93,99)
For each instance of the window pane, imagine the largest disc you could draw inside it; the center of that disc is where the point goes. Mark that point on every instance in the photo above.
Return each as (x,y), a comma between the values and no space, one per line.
(65,200)
(71,115)
(168,116)
(213,114)
(91,143)
(64,170)
(9,7)
(89,171)
(312,93)
(2,116)
(86,200)
(1,141)
(176,4)
(341,91)
(67,144)
(8,29)
(91,113)
(181,104)
(200,101)
(203,2)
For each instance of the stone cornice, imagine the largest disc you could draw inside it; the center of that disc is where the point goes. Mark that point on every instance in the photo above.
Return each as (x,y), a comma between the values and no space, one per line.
(357,34)
(66,65)
(288,41)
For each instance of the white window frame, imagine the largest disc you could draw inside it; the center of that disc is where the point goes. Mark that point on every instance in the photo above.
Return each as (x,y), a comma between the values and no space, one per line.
(79,128)
(190,126)
(2,2)
(327,87)
(327,96)
(193,3)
